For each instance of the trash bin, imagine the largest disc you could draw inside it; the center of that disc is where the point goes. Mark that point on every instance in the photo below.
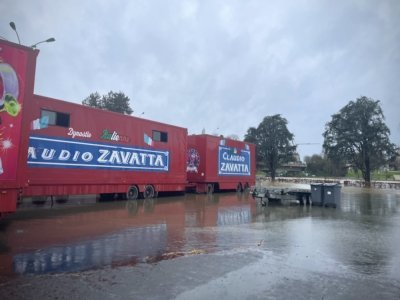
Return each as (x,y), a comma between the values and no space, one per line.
(332,195)
(325,194)
(317,193)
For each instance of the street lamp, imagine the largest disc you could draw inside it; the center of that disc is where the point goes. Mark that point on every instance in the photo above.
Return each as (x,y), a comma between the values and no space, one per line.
(12,25)
(45,41)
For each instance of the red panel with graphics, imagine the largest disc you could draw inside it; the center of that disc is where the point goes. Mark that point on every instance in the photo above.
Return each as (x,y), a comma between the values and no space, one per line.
(76,149)
(13,64)
(17,69)
(223,163)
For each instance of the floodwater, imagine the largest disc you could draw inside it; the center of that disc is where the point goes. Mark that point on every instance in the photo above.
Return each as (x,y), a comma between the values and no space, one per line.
(358,242)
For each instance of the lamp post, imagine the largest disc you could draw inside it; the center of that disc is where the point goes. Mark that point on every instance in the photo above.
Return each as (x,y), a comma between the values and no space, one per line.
(45,41)
(12,25)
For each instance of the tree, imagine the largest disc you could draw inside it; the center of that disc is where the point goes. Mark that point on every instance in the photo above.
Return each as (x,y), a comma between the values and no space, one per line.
(358,136)
(395,164)
(320,165)
(251,135)
(316,165)
(113,101)
(94,100)
(335,167)
(274,142)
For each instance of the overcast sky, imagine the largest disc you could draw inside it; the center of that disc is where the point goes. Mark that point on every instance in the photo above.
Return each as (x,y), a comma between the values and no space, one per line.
(221,66)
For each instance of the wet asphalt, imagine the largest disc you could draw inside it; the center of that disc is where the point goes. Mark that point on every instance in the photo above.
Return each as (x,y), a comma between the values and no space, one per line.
(224,246)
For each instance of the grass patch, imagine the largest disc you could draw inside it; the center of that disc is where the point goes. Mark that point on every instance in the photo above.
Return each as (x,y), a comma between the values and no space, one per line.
(375,175)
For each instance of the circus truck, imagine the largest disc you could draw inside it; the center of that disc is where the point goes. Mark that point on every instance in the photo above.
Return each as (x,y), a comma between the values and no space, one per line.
(50,147)
(54,148)
(216,163)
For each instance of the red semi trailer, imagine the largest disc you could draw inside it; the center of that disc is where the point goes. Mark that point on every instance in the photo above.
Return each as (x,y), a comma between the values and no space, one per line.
(218,163)
(75,149)
(50,147)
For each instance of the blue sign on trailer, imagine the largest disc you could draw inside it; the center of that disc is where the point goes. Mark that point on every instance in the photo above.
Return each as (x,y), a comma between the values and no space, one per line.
(233,162)
(67,153)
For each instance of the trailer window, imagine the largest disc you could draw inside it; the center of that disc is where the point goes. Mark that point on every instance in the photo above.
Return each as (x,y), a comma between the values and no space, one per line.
(160,136)
(56,118)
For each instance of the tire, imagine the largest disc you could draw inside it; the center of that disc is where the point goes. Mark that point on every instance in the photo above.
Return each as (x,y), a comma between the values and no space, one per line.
(132,193)
(149,192)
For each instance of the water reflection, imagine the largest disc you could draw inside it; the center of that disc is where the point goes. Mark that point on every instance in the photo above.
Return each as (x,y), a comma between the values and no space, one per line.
(360,236)
(370,202)
(104,250)
(233,216)
(112,233)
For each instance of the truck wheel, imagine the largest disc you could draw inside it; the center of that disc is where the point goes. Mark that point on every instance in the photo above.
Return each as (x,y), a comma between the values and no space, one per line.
(148,192)
(132,193)
(210,188)
(239,188)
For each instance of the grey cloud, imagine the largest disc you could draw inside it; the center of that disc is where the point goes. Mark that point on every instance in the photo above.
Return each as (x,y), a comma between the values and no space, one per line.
(220,64)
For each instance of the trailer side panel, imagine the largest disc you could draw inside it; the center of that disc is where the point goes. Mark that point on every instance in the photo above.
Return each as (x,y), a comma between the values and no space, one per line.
(219,163)
(17,75)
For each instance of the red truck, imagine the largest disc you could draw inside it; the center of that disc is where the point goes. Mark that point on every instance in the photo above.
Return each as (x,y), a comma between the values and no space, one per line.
(50,147)
(217,163)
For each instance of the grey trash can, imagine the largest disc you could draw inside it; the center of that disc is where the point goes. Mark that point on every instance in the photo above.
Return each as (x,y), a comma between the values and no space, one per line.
(317,194)
(332,194)
(325,194)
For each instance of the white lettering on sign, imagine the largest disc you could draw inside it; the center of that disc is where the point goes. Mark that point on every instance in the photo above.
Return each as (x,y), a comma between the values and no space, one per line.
(233,157)
(130,158)
(234,167)
(45,151)
(74,133)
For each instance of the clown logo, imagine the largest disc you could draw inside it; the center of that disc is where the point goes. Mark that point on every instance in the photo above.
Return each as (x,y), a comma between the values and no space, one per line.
(9,90)
(192,161)
(9,106)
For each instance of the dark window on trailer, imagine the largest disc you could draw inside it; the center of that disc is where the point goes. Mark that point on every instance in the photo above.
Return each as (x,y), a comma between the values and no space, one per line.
(55,118)
(160,136)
